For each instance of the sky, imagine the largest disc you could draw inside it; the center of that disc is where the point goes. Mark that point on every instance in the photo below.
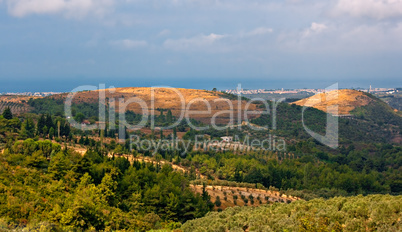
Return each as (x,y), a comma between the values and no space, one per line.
(58,45)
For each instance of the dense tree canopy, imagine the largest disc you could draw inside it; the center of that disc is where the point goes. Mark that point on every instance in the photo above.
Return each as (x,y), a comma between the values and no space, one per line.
(40,182)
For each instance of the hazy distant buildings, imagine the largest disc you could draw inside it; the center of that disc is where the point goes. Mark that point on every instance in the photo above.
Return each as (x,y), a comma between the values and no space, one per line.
(33,94)
(296,91)
(275,91)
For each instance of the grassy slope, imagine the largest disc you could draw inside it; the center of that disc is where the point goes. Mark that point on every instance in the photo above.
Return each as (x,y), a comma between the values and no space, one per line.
(378,112)
(359,213)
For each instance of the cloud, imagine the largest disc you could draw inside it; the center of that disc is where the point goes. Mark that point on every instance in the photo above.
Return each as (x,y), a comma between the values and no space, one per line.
(219,42)
(129,44)
(70,8)
(164,32)
(377,9)
(340,39)
(315,28)
(200,41)
(380,37)
(259,31)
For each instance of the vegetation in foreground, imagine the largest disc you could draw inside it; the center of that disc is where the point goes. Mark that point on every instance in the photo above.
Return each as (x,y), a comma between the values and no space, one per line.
(43,186)
(358,213)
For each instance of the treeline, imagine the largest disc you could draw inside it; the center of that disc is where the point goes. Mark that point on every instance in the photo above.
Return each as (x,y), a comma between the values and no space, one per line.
(33,126)
(55,106)
(44,186)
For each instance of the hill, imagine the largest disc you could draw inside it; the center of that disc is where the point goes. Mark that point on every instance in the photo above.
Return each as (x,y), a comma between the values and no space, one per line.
(349,102)
(366,110)
(346,99)
(359,213)
(177,100)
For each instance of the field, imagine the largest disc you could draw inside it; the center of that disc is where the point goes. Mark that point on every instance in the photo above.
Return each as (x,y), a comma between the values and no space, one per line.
(17,104)
(242,196)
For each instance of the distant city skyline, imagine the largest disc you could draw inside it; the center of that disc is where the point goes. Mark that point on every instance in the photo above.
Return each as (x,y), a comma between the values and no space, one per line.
(230,90)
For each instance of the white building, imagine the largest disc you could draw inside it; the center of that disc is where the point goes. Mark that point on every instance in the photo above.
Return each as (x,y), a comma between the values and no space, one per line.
(227,139)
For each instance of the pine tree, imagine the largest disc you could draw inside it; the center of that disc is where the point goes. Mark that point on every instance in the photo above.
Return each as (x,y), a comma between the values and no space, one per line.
(7,114)
(65,131)
(169,117)
(162,117)
(49,122)
(28,129)
(41,124)
(205,196)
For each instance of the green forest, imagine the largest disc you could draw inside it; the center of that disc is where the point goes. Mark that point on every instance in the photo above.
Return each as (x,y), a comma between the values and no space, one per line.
(49,188)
